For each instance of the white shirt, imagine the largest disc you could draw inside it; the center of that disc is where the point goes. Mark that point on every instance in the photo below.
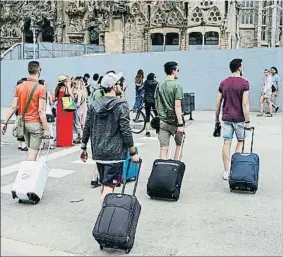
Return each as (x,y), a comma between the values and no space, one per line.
(267,83)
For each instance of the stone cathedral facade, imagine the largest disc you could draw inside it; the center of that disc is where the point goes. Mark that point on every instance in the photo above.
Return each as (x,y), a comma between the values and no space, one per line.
(141,26)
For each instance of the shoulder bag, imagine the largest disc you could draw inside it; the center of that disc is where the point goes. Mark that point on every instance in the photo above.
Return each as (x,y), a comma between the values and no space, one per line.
(19,130)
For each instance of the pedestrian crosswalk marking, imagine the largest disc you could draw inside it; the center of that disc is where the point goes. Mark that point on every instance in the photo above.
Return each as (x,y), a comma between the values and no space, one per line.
(13,168)
(7,189)
(149,138)
(60,173)
(53,173)
(88,162)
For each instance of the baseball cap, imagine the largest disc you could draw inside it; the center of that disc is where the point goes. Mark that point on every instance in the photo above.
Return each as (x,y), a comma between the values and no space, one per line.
(110,79)
(61,78)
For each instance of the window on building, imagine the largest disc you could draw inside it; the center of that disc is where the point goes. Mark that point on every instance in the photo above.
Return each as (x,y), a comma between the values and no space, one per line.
(211,38)
(247,12)
(81,3)
(264,22)
(172,39)
(93,36)
(195,38)
(157,39)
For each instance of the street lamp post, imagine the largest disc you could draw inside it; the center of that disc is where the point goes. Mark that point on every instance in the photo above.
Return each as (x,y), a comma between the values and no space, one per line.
(164,37)
(203,34)
(34,41)
(33,28)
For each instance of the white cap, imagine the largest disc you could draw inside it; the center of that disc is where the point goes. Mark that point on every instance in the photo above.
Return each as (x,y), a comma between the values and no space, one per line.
(110,79)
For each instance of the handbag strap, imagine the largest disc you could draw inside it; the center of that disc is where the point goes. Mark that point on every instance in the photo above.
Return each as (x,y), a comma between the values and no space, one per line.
(29,100)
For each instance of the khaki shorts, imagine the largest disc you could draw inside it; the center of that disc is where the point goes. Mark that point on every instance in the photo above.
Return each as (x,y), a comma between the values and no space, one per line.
(165,132)
(33,135)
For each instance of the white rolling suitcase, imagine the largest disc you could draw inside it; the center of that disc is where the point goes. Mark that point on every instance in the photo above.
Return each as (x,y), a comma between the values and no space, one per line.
(31,179)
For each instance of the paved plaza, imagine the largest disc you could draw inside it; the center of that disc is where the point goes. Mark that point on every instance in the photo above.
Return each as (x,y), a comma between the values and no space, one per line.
(207,220)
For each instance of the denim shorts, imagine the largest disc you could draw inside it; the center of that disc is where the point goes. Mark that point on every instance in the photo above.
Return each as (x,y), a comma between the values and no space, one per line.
(229,128)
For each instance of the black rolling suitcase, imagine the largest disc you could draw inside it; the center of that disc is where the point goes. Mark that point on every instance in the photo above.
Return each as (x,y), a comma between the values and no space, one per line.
(117,221)
(166,178)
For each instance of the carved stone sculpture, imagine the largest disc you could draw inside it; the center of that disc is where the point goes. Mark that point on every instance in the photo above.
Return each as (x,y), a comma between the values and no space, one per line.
(71,20)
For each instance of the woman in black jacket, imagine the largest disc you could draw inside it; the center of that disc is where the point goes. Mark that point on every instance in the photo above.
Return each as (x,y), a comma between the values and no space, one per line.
(149,101)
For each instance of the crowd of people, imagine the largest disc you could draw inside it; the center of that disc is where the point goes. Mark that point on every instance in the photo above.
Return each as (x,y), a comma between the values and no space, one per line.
(98,111)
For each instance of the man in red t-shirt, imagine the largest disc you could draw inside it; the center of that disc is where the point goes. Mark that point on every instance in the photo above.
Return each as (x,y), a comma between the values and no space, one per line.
(234,93)
(36,125)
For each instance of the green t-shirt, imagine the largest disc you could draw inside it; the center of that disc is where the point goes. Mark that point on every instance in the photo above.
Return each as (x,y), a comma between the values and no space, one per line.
(169,91)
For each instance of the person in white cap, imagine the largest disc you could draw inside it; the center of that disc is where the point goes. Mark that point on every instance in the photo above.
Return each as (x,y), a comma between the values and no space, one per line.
(108,128)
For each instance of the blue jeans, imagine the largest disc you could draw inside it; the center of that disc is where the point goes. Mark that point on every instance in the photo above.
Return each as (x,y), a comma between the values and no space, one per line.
(229,128)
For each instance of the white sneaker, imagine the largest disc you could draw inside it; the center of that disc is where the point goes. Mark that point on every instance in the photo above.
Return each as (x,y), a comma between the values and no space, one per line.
(225,175)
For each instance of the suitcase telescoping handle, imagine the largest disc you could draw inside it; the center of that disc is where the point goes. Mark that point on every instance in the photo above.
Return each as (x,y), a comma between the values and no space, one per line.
(137,178)
(41,146)
(252,143)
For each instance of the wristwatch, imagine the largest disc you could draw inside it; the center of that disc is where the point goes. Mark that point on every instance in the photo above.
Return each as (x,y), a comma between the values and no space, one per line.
(180,125)
(133,154)
(247,121)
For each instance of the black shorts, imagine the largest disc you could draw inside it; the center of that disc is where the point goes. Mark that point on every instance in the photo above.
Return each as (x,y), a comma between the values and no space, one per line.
(110,173)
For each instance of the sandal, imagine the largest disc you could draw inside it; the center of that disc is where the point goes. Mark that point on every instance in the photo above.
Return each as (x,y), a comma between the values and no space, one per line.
(259,115)
(269,115)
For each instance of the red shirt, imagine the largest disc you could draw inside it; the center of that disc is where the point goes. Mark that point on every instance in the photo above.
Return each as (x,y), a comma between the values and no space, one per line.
(232,90)
(23,91)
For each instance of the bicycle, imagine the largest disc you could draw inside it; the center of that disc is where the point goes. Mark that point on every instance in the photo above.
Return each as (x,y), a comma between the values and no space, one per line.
(138,119)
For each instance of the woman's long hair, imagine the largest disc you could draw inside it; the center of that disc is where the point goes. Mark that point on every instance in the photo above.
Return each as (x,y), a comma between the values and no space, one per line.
(79,86)
(58,88)
(139,77)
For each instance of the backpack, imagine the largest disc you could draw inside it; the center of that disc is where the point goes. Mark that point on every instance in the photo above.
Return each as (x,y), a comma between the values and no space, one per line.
(92,97)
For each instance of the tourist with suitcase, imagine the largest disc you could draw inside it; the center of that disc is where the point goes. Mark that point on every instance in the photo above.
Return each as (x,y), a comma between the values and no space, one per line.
(167,175)
(234,93)
(168,96)
(108,128)
(30,101)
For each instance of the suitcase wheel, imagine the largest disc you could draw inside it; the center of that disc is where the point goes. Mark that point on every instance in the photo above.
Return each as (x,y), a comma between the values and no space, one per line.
(20,201)
(101,247)
(128,251)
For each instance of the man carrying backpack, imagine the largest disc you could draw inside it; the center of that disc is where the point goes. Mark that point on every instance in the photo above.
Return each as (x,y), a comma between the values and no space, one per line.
(108,127)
